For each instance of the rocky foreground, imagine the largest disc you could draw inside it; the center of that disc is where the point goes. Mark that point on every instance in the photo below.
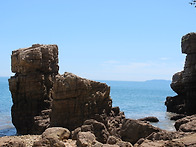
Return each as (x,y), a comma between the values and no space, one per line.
(68,111)
(112,131)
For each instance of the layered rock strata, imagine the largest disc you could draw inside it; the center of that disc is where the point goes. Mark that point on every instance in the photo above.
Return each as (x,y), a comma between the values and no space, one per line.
(31,87)
(184,82)
(40,94)
(76,99)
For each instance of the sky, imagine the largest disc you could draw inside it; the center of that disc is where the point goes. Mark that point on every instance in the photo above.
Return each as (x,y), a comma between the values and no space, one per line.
(101,39)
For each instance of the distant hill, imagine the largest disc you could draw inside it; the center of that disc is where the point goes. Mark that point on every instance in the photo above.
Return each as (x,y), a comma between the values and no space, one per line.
(158,81)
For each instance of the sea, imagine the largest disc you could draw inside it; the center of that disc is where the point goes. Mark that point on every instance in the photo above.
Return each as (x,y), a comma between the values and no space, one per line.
(135,99)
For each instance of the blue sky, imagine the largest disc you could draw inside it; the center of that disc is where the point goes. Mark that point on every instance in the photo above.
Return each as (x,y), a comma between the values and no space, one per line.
(101,39)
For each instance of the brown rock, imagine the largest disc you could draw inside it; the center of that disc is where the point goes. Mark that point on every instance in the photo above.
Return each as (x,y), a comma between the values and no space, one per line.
(85,139)
(186,124)
(11,142)
(160,143)
(165,135)
(149,119)
(188,43)
(113,140)
(98,129)
(133,130)
(75,132)
(43,98)
(109,145)
(76,99)
(186,140)
(184,83)
(178,116)
(53,137)
(177,84)
(117,141)
(176,104)
(31,87)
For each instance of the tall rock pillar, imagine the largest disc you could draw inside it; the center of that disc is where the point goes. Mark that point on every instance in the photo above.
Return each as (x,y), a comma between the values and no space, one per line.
(184,82)
(31,87)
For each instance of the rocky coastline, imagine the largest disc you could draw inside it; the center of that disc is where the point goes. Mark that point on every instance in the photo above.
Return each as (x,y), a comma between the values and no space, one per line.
(54,110)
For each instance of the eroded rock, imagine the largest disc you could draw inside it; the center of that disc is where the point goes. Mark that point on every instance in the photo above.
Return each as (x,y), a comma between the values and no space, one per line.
(186,124)
(44,98)
(76,99)
(8,141)
(53,137)
(31,87)
(133,130)
(184,82)
(149,119)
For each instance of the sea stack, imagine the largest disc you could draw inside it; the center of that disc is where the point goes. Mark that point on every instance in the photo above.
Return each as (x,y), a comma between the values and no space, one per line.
(76,99)
(184,82)
(31,87)
(43,98)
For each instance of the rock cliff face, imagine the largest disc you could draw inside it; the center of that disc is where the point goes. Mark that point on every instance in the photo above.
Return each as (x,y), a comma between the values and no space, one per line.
(40,94)
(184,82)
(31,87)
(76,99)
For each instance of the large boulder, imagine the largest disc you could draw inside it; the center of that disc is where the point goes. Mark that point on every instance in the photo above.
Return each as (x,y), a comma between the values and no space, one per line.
(53,137)
(177,84)
(76,99)
(184,83)
(133,130)
(186,124)
(31,87)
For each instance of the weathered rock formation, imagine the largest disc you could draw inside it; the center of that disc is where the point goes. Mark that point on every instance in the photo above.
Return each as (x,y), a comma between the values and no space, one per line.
(40,94)
(31,87)
(184,82)
(186,124)
(76,99)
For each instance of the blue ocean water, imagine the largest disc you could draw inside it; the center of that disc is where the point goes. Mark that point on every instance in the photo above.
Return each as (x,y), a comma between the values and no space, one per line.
(6,127)
(136,99)
(142,99)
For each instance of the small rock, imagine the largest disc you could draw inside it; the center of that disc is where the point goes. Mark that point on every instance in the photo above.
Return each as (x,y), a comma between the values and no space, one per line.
(55,136)
(178,116)
(98,129)
(133,130)
(150,119)
(9,141)
(85,139)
